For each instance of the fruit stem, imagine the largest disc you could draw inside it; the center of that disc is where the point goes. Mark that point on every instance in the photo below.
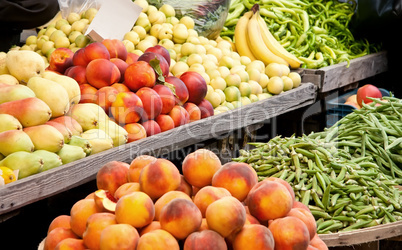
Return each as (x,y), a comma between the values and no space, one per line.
(255,8)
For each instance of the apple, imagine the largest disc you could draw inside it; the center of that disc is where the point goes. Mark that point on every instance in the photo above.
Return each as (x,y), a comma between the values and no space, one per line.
(159,49)
(365,91)
(196,86)
(61,59)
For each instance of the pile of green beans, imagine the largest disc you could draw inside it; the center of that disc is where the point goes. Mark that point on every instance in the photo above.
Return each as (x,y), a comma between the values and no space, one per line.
(336,175)
(315,31)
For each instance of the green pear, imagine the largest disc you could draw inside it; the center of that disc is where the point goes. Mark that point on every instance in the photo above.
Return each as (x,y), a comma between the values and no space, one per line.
(8,79)
(45,137)
(88,115)
(9,122)
(68,83)
(81,142)
(50,159)
(15,140)
(29,111)
(3,65)
(99,140)
(24,64)
(27,163)
(118,134)
(52,93)
(10,93)
(69,153)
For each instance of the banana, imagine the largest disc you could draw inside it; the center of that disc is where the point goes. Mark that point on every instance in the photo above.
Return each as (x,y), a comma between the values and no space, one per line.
(240,36)
(257,45)
(275,46)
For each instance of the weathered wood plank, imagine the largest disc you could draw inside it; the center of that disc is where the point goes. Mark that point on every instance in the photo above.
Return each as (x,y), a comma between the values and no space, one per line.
(364,235)
(51,182)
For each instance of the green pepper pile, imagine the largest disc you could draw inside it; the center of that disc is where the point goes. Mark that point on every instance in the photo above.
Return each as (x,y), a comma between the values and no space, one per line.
(315,31)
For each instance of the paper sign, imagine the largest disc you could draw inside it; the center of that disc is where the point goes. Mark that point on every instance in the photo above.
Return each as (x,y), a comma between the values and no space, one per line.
(113,20)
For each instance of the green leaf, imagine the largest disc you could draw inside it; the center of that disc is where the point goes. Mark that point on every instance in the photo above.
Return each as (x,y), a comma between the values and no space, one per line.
(155,64)
(172,88)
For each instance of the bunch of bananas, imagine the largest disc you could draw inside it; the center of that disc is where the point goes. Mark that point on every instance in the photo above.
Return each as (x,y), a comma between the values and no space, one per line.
(253,39)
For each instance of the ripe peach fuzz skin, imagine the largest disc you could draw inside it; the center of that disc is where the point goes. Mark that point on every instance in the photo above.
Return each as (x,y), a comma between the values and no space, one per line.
(139,74)
(318,243)
(166,198)
(159,177)
(237,178)
(101,73)
(126,188)
(269,200)
(60,221)
(286,184)
(119,237)
(95,225)
(289,233)
(206,239)
(261,238)
(226,216)
(80,212)
(307,217)
(112,175)
(135,131)
(200,166)
(71,244)
(137,164)
(56,235)
(180,217)
(158,239)
(150,227)
(208,194)
(138,203)
(185,187)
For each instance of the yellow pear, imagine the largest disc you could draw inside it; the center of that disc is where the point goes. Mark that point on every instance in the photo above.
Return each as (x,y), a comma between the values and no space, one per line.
(52,93)
(3,65)
(15,140)
(10,93)
(9,122)
(45,137)
(27,163)
(88,115)
(24,64)
(118,134)
(99,140)
(8,79)
(68,83)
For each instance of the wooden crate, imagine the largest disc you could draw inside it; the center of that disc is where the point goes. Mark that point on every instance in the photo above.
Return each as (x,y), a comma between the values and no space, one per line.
(337,76)
(42,185)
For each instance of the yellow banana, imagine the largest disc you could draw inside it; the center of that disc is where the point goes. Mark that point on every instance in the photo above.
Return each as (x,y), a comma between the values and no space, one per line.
(240,36)
(257,45)
(275,46)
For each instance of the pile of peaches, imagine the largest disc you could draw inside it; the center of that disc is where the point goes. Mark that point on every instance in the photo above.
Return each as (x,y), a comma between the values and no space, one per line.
(150,204)
(137,92)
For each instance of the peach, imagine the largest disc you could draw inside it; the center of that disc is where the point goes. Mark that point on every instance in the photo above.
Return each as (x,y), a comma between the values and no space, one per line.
(165,122)
(116,48)
(101,73)
(56,235)
(90,196)
(289,233)
(159,177)
(112,175)
(206,239)
(226,216)
(204,225)
(136,165)
(251,219)
(119,237)
(79,213)
(88,93)
(131,58)
(180,217)
(200,166)
(185,186)
(180,89)
(237,177)
(261,238)
(71,244)
(69,123)
(126,188)
(159,49)
(285,183)
(206,109)
(166,198)
(60,221)
(307,218)
(150,227)
(298,204)
(95,51)
(104,201)
(138,204)
(105,96)
(135,131)
(158,239)
(196,86)
(120,87)
(269,200)
(179,115)
(121,65)
(167,97)
(96,223)
(151,127)
(127,108)
(139,74)
(61,59)
(80,59)
(152,102)
(78,73)
(318,243)
(158,62)
(207,195)
(193,110)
